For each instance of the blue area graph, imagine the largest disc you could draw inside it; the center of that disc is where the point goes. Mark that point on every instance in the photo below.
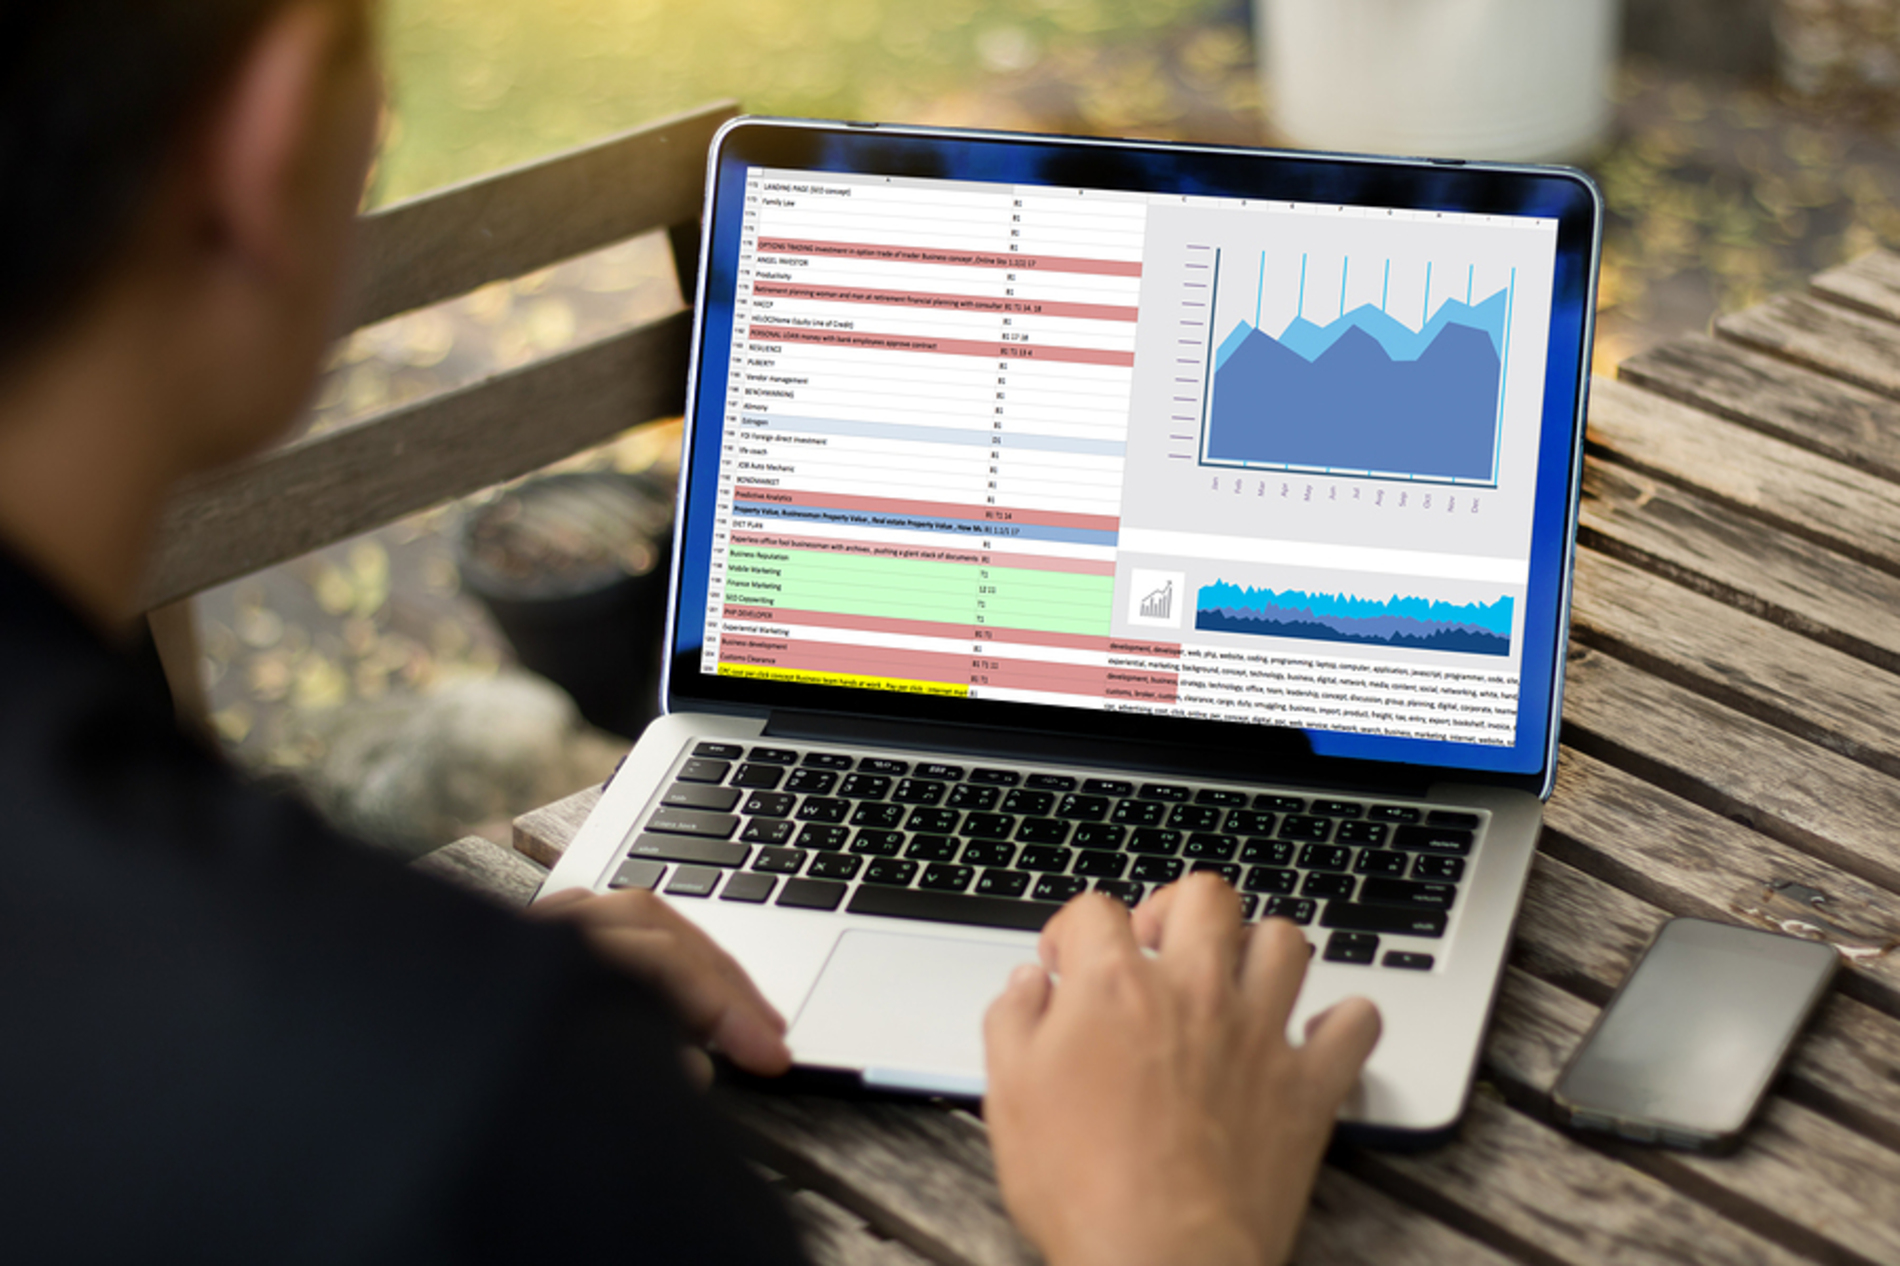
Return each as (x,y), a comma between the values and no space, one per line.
(1475,628)
(1365,393)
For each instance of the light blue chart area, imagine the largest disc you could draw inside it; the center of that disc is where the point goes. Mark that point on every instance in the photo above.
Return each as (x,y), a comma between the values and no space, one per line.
(1365,393)
(1474,628)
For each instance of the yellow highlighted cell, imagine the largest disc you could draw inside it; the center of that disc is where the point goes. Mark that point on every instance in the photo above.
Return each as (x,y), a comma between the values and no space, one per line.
(899,685)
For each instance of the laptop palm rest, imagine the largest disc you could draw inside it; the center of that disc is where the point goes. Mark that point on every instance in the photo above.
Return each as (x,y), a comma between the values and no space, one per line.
(906,1009)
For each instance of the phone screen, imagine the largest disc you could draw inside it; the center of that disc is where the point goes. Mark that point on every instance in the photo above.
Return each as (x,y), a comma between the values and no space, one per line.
(1694,1036)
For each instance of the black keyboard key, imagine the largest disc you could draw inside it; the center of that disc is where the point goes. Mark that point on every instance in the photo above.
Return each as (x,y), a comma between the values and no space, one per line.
(712,826)
(890,870)
(1099,865)
(918,791)
(1398,920)
(934,821)
(827,760)
(693,881)
(762,777)
(1248,904)
(1270,879)
(635,873)
(811,894)
(1003,883)
(1400,892)
(1382,861)
(1156,870)
(1204,846)
(769,804)
(884,765)
(951,907)
(815,782)
(1407,960)
(1035,804)
(1352,947)
(1329,887)
(989,826)
(1082,808)
(1139,813)
(946,877)
(834,866)
(719,751)
(882,814)
(933,848)
(1041,857)
(875,843)
(1107,787)
(779,861)
(862,786)
(684,848)
(1226,870)
(1362,833)
(1268,852)
(1043,831)
(1155,840)
(773,756)
(989,853)
(1058,887)
(1221,799)
(1297,826)
(1172,793)
(1127,893)
(1099,835)
(1298,909)
(824,809)
(995,777)
(1249,822)
(700,769)
(1432,839)
(1337,808)
(749,886)
(1324,857)
(1194,817)
(768,831)
(942,773)
(1431,866)
(824,836)
(1401,813)
(967,796)
(1050,782)
(1279,803)
(1457,821)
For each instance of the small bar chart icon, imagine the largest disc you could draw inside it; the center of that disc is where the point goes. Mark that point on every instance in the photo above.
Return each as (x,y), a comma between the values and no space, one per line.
(1159,605)
(1155,598)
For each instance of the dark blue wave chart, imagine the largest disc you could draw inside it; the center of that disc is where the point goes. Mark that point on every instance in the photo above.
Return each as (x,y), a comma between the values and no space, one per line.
(1472,628)
(1364,394)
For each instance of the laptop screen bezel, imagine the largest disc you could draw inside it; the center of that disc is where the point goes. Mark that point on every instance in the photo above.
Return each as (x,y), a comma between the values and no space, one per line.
(1562,194)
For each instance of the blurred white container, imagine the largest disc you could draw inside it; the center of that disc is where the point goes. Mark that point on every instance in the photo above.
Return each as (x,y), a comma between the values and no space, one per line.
(1508,79)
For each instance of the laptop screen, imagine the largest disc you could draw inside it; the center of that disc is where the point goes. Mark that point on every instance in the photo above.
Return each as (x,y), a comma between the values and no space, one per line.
(1079,429)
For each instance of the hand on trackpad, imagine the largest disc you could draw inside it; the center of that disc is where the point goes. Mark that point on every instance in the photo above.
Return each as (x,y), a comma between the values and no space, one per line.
(907,1009)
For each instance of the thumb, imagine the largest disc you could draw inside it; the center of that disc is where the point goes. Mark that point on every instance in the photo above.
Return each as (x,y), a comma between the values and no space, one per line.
(1013,1017)
(1338,1042)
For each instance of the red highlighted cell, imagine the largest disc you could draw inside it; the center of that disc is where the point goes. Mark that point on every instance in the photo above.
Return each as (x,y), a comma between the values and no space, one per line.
(999,515)
(947,303)
(966,259)
(940,346)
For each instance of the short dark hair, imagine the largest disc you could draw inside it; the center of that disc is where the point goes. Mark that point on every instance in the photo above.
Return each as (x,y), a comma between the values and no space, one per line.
(94,95)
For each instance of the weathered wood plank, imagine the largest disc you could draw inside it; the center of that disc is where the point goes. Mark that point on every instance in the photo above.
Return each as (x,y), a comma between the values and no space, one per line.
(486,868)
(1850,346)
(544,834)
(1849,510)
(450,241)
(323,488)
(1351,1223)
(1870,284)
(1805,408)
(1808,1183)
(1742,561)
(834,1237)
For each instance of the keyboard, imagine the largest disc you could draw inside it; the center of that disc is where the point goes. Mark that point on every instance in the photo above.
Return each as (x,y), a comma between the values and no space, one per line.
(1004,846)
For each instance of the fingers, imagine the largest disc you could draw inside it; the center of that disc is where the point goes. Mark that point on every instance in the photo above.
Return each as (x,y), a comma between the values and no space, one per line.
(1012,1019)
(1090,927)
(1338,1042)
(1273,970)
(1198,932)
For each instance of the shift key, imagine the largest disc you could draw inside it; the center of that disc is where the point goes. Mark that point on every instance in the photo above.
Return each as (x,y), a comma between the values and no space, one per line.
(677,848)
(713,826)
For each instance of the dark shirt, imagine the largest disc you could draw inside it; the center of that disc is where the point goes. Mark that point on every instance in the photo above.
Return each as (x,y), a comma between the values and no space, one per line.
(229,1035)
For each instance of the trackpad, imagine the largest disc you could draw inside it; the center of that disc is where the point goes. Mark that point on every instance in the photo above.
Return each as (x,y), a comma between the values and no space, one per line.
(907,1011)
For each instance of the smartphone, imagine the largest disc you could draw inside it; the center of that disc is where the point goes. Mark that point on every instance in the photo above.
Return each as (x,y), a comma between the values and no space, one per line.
(1689,1044)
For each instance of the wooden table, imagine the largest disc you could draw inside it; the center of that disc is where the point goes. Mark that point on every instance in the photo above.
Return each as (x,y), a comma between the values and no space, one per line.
(1731,750)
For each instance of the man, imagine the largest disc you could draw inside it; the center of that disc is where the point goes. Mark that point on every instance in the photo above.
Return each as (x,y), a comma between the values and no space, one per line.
(232,1036)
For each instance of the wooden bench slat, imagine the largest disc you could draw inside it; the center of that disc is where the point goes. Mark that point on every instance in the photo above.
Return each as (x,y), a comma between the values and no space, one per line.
(1743,562)
(1806,408)
(486,869)
(1850,346)
(235,521)
(450,241)
(543,834)
(1352,1223)
(1870,284)
(831,1236)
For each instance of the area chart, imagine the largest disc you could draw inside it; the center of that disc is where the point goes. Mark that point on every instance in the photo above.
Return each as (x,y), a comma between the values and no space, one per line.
(1475,628)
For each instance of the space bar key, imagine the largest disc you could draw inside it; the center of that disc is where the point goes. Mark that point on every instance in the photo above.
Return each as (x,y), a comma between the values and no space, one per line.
(951,907)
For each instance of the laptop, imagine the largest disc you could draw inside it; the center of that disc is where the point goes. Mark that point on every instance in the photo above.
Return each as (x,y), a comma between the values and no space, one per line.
(1062,515)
